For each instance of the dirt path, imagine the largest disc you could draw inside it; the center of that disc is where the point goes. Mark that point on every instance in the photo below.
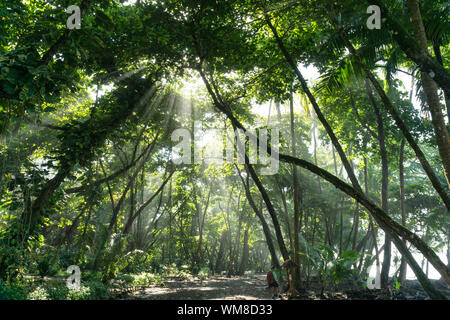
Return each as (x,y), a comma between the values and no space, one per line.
(251,287)
(254,287)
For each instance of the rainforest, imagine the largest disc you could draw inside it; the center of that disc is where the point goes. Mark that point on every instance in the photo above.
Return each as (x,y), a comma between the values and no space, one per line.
(224,149)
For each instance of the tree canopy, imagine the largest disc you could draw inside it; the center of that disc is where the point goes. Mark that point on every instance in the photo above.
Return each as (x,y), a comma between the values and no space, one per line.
(354,121)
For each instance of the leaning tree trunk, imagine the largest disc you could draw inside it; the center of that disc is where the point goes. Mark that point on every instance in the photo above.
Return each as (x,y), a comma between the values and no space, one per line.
(316,107)
(393,112)
(31,216)
(217,101)
(265,226)
(385,222)
(382,218)
(270,208)
(132,218)
(116,209)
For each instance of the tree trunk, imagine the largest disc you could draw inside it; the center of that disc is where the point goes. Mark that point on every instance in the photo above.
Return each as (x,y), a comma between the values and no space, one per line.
(382,218)
(221,254)
(403,268)
(448,250)
(438,54)
(31,216)
(356,226)
(116,209)
(315,150)
(384,184)
(286,213)
(230,235)
(385,222)
(316,107)
(245,252)
(269,206)
(341,231)
(200,228)
(431,91)
(334,161)
(412,49)
(394,113)
(266,229)
(297,208)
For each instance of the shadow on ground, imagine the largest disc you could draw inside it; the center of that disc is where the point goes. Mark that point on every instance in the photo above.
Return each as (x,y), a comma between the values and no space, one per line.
(252,287)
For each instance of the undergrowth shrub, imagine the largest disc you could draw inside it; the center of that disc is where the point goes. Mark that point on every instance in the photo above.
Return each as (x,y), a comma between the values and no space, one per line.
(204,273)
(181,272)
(84,293)
(11,292)
(137,261)
(40,293)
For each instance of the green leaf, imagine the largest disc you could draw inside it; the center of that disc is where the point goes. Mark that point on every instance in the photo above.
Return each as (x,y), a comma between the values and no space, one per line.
(8,88)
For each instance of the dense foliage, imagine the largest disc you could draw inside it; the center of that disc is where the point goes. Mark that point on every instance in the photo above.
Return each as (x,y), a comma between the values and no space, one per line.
(87,118)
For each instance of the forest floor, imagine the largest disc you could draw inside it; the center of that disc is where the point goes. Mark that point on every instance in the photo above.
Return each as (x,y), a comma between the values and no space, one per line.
(251,287)
(254,287)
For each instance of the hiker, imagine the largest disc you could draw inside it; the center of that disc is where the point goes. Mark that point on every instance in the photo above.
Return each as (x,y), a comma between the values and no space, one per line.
(272,278)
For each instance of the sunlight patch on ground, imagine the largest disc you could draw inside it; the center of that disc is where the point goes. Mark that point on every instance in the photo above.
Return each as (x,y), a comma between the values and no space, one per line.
(238,298)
